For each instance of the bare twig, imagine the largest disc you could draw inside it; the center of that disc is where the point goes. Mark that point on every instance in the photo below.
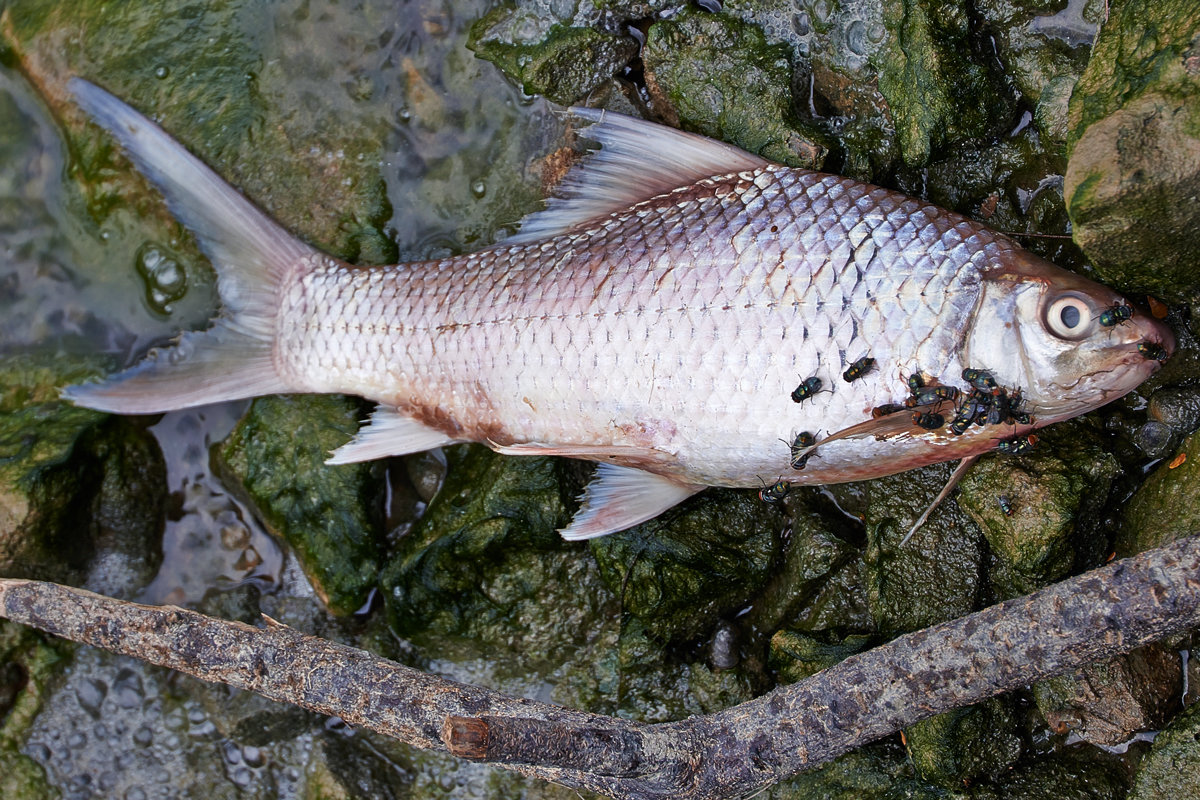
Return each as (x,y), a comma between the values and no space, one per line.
(732,753)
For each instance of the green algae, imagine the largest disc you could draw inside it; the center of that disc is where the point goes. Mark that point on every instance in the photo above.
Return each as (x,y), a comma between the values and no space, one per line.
(937,93)
(716,75)
(1172,767)
(1034,509)
(29,662)
(683,571)
(564,66)
(1134,144)
(330,515)
(1166,506)
(484,552)
(958,747)
(69,483)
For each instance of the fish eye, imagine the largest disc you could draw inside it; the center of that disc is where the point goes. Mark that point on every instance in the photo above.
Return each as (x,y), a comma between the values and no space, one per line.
(1069,317)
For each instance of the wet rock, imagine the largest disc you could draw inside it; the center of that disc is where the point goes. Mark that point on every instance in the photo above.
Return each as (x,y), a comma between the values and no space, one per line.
(30,663)
(340,768)
(1166,506)
(330,515)
(1082,776)
(874,772)
(1107,702)
(1172,767)
(1179,408)
(1134,167)
(958,747)
(1044,47)
(486,568)
(564,64)
(937,90)
(814,586)
(1031,509)
(1155,439)
(796,656)
(653,687)
(693,566)
(71,486)
(938,574)
(716,75)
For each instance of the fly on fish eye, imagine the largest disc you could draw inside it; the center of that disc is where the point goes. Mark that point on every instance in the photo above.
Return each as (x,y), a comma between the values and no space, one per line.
(807,388)
(915,383)
(858,369)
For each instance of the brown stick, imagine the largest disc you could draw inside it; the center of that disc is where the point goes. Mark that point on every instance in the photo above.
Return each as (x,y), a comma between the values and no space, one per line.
(1061,628)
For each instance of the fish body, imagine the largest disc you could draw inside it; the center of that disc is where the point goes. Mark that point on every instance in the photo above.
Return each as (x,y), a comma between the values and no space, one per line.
(655,319)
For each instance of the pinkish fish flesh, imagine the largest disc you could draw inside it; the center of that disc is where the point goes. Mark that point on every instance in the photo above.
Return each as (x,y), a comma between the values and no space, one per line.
(654,318)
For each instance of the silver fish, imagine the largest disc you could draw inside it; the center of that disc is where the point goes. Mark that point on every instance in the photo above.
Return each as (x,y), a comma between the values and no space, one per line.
(654,318)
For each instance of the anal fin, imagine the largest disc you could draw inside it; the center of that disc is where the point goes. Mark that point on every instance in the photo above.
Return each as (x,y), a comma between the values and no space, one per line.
(621,497)
(388,433)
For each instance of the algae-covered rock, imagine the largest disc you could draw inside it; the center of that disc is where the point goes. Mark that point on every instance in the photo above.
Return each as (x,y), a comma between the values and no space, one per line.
(938,574)
(716,75)
(1166,506)
(70,484)
(681,572)
(958,747)
(1031,509)
(338,769)
(1069,776)
(485,562)
(214,104)
(330,515)
(873,772)
(1172,767)
(938,91)
(1108,701)
(564,65)
(796,656)
(28,663)
(1044,46)
(1134,169)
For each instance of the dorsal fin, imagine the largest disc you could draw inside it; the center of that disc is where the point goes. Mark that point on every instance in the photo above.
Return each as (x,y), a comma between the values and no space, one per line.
(636,161)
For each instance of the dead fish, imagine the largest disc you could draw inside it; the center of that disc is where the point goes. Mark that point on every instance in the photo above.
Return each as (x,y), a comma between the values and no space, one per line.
(652,319)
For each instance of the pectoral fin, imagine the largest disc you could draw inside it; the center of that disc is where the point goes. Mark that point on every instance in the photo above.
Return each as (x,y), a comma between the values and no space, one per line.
(388,433)
(621,497)
(955,477)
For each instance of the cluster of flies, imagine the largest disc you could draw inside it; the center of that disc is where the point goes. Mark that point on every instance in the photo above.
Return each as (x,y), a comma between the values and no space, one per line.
(985,402)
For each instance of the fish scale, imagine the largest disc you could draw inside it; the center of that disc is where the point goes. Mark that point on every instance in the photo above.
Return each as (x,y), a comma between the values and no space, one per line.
(578,329)
(655,318)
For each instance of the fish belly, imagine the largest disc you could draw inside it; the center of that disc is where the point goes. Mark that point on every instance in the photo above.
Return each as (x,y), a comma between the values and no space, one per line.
(673,331)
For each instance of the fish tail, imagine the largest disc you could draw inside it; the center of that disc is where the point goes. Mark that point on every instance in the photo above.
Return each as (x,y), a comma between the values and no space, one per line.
(252,255)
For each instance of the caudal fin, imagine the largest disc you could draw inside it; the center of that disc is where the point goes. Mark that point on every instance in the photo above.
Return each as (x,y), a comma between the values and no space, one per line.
(251,254)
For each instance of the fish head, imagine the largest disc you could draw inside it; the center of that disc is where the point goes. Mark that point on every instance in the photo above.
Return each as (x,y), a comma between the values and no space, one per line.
(1038,328)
